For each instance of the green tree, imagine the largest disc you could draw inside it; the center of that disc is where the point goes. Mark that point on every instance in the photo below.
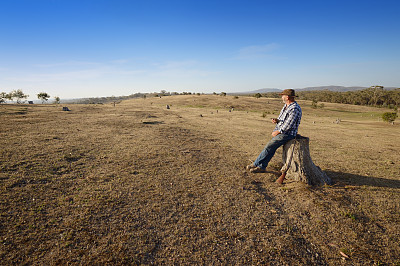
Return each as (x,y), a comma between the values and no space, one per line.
(19,94)
(223,94)
(3,97)
(44,96)
(258,95)
(9,96)
(57,100)
(375,93)
(396,96)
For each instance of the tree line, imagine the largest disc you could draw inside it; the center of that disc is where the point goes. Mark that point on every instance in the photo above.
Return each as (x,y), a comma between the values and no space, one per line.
(19,96)
(114,99)
(372,96)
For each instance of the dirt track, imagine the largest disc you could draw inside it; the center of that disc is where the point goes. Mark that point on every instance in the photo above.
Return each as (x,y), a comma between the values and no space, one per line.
(142,184)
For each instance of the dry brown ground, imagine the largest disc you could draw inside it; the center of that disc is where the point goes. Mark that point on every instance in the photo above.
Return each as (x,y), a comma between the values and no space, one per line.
(141,184)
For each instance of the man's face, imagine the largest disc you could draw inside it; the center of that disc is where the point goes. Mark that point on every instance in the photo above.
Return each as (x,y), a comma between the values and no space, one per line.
(284,98)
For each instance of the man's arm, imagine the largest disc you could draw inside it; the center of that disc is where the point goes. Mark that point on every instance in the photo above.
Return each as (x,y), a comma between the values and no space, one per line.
(275,133)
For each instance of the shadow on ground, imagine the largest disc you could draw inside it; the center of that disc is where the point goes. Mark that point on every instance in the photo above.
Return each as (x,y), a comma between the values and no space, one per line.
(152,122)
(340,178)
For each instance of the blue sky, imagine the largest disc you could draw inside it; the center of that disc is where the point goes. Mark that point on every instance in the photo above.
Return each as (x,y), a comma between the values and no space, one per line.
(88,48)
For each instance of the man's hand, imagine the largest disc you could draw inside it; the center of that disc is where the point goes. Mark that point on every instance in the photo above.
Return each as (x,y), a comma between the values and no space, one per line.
(274,120)
(275,133)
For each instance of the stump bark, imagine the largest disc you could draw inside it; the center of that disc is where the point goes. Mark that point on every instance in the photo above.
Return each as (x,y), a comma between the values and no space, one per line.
(298,164)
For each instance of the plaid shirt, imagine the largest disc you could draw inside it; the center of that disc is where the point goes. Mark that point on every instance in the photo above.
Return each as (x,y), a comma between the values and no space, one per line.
(289,119)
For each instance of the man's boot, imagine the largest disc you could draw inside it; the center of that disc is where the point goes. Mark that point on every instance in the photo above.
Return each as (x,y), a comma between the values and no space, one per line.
(281,178)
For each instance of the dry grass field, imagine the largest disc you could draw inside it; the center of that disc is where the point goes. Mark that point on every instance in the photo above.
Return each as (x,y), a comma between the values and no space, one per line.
(142,184)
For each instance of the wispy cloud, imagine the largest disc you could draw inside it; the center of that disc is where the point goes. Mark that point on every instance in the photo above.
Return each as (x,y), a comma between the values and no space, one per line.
(67,64)
(177,64)
(79,71)
(181,69)
(257,51)
(59,76)
(120,61)
(71,72)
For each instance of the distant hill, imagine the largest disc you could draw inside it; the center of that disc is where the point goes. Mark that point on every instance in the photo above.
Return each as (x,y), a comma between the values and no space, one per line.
(258,91)
(320,88)
(332,88)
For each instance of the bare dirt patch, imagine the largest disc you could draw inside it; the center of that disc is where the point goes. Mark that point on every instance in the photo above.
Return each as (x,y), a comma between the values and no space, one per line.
(142,184)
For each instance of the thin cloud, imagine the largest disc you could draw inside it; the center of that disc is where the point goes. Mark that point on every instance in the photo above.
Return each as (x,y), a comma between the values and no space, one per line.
(60,76)
(257,51)
(177,64)
(83,74)
(180,69)
(120,61)
(181,73)
(68,63)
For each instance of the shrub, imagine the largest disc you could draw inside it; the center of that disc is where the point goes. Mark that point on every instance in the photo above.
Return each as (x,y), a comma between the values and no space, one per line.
(314,104)
(389,117)
(265,114)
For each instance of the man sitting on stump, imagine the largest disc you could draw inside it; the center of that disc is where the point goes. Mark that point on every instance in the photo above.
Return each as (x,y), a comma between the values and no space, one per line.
(286,128)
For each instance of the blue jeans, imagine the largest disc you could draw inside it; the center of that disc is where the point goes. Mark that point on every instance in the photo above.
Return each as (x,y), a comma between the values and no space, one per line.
(269,150)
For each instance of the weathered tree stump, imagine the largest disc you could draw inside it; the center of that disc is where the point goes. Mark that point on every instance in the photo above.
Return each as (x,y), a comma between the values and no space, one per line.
(299,165)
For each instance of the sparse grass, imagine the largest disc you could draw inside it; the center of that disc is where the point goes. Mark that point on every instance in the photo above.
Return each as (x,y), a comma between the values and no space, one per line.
(142,184)
(350,215)
(13,109)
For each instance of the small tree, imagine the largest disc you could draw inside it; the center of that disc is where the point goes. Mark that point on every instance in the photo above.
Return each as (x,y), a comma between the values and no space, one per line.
(19,94)
(389,117)
(258,95)
(3,97)
(314,104)
(223,94)
(57,100)
(9,96)
(43,96)
(375,93)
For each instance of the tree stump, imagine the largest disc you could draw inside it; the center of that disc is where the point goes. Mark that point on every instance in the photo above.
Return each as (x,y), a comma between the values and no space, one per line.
(299,165)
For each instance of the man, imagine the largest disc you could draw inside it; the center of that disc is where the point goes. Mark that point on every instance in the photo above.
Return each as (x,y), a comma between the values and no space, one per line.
(286,128)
